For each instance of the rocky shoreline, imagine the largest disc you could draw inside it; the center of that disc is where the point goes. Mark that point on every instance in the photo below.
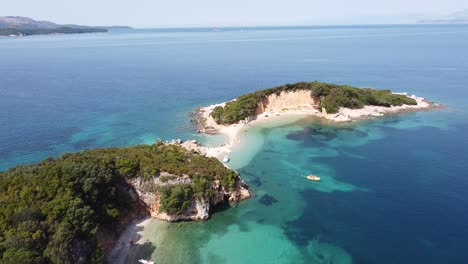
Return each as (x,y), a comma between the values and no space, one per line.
(199,120)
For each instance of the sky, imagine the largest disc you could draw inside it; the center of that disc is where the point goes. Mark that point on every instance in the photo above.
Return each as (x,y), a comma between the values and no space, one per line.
(218,13)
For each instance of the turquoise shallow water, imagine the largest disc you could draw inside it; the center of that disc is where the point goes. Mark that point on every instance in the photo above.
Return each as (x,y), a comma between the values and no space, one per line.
(393,189)
(383,190)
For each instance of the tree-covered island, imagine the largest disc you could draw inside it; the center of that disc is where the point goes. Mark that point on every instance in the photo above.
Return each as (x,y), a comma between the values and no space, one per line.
(327,96)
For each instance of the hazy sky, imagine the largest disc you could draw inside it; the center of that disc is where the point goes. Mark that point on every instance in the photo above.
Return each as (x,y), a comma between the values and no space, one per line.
(193,13)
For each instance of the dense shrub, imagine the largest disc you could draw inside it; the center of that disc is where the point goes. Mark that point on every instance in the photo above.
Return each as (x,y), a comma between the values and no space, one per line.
(335,96)
(202,187)
(175,199)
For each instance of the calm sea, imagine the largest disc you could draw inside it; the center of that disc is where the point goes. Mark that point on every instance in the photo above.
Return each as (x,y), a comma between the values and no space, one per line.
(393,189)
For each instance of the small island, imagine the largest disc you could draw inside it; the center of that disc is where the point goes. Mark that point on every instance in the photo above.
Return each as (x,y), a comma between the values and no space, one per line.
(332,102)
(73,208)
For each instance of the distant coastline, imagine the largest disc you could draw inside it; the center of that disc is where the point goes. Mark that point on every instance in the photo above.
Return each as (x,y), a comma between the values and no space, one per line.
(13,32)
(16,26)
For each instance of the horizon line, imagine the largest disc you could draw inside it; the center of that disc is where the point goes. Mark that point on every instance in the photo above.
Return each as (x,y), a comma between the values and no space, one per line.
(302,26)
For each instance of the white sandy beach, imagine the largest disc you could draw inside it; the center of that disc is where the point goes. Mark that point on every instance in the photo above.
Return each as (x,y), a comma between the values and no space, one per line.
(127,247)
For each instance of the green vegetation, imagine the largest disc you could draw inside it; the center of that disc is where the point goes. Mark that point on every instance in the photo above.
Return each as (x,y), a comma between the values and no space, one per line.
(244,106)
(333,96)
(45,31)
(175,199)
(54,211)
(330,96)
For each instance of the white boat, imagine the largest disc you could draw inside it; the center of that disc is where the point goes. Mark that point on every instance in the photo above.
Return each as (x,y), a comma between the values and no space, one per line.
(226,159)
(313,177)
(146,261)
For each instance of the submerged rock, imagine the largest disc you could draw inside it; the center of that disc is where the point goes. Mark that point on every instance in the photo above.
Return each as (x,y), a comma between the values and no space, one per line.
(267,200)
(256,182)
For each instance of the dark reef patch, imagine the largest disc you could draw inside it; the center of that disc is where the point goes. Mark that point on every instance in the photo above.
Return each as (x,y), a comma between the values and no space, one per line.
(267,200)
(84,144)
(256,182)
(321,136)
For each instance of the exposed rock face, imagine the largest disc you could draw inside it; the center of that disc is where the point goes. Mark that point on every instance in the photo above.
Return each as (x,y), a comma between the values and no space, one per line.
(199,208)
(297,100)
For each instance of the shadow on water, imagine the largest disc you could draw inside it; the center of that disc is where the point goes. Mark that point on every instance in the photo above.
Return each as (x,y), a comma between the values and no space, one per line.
(222,207)
(132,252)
(145,250)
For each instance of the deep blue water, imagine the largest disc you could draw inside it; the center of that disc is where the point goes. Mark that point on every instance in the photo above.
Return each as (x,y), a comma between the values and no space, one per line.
(415,209)
(404,198)
(66,93)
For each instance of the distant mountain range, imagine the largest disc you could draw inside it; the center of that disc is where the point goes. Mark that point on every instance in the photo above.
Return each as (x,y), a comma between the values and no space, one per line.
(24,26)
(460,17)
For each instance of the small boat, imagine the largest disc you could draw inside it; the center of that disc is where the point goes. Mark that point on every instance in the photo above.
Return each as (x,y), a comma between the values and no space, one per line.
(313,177)
(226,159)
(146,261)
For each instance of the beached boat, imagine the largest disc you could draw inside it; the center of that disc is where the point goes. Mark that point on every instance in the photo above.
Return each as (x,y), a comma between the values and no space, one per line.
(226,159)
(313,177)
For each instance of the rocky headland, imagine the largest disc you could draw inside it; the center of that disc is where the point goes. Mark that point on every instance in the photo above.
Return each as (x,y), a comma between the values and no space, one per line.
(76,206)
